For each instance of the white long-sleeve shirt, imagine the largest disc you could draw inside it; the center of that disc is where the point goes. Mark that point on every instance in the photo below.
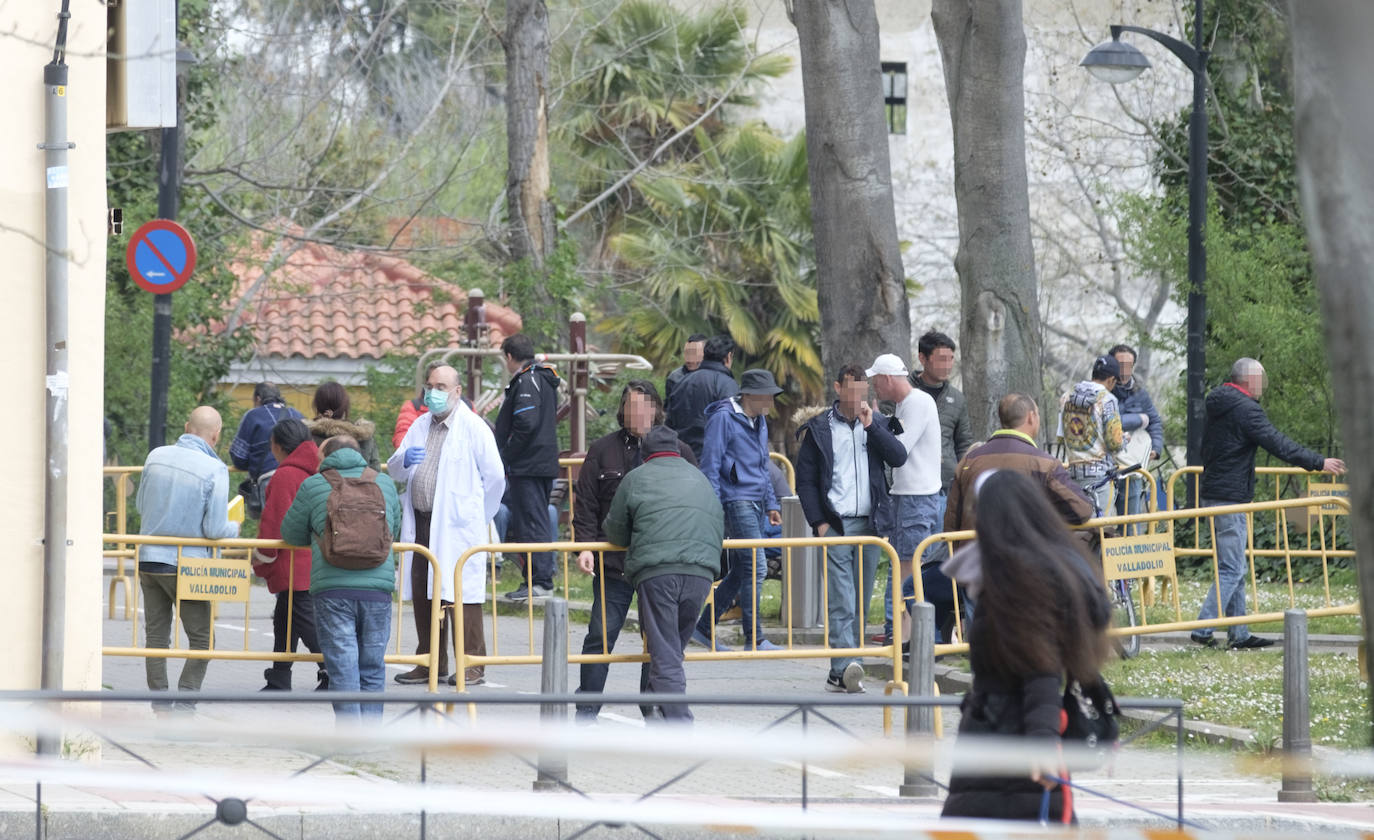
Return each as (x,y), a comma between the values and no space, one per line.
(920,475)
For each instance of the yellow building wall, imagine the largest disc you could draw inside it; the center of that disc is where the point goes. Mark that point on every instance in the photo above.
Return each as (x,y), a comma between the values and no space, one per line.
(360,404)
(26,38)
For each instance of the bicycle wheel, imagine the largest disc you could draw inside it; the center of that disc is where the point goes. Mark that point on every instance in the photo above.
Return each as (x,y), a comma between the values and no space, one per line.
(1123,615)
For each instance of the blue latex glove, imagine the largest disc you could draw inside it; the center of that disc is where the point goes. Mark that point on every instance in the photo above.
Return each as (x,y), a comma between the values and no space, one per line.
(414,455)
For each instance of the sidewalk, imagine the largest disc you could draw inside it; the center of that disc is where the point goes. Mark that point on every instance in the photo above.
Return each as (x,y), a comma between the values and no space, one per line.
(356,796)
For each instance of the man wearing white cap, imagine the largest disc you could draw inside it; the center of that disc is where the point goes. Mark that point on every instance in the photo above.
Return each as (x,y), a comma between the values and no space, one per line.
(916,484)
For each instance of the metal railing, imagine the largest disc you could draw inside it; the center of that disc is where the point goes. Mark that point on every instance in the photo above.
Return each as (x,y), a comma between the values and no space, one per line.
(791,649)
(233,799)
(1169,517)
(218,547)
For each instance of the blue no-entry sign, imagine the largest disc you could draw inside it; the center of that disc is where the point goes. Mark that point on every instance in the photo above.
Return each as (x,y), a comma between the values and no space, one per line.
(161,256)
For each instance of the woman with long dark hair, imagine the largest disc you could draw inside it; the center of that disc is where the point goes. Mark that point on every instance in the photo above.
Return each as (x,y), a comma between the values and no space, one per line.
(288,572)
(331,419)
(1041,619)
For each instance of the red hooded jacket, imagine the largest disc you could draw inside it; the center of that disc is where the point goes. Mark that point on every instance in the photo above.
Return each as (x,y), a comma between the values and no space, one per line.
(410,409)
(281,492)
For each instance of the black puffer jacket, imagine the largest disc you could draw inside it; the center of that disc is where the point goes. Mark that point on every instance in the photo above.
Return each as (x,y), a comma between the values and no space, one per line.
(686,408)
(608,459)
(526,427)
(1236,426)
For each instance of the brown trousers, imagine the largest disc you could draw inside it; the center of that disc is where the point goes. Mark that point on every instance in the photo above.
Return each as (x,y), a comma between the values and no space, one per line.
(474,635)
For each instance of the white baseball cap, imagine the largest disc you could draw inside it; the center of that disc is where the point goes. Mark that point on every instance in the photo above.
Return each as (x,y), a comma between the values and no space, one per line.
(888,364)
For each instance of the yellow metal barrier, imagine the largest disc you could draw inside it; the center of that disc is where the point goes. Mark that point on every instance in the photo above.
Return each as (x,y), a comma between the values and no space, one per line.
(1321,486)
(791,650)
(787,469)
(120,580)
(1153,523)
(219,549)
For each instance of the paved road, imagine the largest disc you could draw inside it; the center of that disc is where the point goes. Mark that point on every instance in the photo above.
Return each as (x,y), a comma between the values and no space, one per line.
(1216,785)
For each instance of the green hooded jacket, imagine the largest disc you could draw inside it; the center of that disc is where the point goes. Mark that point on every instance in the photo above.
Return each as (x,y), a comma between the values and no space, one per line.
(304,522)
(669,518)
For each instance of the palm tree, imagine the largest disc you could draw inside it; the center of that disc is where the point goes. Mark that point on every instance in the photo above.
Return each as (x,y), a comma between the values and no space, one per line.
(715,235)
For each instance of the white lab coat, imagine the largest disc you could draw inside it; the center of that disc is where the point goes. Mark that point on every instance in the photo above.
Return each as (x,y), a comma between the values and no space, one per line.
(467,495)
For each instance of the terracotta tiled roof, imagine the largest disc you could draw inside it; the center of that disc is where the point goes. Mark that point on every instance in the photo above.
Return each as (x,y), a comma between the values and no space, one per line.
(328,303)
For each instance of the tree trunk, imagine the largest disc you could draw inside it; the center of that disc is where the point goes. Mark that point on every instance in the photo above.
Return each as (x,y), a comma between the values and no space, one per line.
(860,283)
(983,49)
(1334,115)
(527,131)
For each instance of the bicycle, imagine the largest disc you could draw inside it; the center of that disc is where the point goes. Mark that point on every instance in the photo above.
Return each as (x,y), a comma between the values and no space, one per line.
(1123,605)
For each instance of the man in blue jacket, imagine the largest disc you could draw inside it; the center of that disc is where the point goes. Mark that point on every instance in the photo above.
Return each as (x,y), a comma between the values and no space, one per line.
(1138,417)
(251,449)
(184,492)
(734,458)
(843,492)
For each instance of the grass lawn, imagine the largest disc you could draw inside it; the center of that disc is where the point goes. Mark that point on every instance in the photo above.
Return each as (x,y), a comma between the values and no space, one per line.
(1273,598)
(1245,689)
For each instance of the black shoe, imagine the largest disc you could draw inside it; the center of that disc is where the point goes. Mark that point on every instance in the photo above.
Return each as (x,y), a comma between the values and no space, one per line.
(323,684)
(271,687)
(1205,641)
(1250,643)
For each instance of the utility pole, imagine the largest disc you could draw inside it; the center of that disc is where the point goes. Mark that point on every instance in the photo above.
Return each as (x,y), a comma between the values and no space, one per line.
(55,146)
(168,201)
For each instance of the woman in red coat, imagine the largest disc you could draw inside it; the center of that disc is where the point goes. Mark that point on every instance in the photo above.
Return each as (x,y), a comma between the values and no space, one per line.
(288,572)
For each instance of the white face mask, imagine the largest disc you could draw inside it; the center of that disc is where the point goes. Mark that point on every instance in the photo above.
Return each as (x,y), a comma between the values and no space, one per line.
(437,401)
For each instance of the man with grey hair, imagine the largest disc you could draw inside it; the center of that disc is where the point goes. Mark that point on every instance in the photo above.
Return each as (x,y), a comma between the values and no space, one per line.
(1236,427)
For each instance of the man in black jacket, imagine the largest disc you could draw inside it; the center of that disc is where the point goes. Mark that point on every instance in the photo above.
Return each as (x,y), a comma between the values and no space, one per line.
(693,353)
(843,492)
(709,383)
(527,436)
(608,460)
(1236,426)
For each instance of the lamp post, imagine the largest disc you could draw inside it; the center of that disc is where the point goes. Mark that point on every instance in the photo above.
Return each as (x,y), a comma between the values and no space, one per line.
(1116,62)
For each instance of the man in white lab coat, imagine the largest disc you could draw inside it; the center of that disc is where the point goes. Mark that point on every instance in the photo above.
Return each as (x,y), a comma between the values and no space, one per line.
(454,481)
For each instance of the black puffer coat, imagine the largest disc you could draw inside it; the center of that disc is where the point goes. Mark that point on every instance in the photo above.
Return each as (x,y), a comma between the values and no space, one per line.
(1236,427)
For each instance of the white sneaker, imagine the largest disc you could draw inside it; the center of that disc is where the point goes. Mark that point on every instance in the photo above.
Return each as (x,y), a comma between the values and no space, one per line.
(853,678)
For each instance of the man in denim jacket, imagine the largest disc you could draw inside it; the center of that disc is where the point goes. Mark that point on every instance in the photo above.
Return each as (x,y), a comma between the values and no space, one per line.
(184,492)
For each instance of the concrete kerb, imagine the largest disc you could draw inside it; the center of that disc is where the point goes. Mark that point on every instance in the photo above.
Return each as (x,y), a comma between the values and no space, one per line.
(297,823)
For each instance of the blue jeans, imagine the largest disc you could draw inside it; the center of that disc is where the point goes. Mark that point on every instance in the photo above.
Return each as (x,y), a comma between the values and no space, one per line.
(1231,566)
(847,602)
(1130,500)
(353,636)
(744,520)
(592,675)
(501,521)
(916,519)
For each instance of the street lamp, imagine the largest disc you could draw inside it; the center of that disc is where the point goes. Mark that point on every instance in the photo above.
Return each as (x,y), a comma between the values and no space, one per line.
(1116,62)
